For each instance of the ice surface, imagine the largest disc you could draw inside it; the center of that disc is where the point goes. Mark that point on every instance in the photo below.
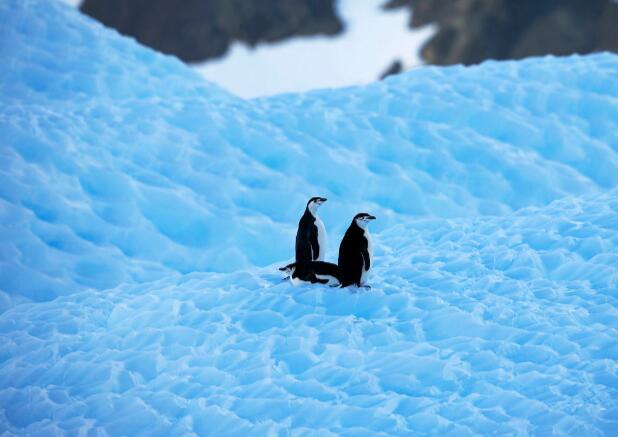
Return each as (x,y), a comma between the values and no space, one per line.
(120,164)
(473,326)
(143,212)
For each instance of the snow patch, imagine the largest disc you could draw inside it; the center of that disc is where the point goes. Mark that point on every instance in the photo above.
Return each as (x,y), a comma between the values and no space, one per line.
(372,40)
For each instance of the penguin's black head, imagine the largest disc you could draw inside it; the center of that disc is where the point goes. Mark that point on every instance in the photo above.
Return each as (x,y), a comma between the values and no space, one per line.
(316,200)
(362,219)
(314,203)
(289,269)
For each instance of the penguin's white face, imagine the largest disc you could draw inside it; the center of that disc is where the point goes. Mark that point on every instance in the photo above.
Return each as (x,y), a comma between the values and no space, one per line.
(314,203)
(363,219)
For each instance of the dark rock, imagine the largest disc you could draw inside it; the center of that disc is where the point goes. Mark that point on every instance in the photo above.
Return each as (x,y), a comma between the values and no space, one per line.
(195,30)
(471,31)
(395,68)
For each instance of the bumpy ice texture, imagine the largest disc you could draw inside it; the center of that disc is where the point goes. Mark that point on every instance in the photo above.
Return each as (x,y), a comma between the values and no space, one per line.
(472,327)
(130,188)
(121,165)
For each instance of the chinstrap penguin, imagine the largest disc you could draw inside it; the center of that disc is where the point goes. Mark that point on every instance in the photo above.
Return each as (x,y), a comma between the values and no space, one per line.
(314,272)
(311,235)
(356,251)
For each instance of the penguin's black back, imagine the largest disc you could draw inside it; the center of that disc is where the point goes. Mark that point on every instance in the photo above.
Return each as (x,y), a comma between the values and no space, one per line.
(322,268)
(307,248)
(325,268)
(350,255)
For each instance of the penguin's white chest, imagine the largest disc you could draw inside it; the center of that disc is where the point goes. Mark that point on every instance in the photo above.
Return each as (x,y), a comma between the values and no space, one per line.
(331,279)
(365,271)
(321,238)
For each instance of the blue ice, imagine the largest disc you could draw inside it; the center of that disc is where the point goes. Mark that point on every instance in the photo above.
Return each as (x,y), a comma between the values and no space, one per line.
(143,212)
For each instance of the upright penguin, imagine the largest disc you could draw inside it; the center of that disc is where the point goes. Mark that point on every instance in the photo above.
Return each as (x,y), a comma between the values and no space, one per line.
(311,235)
(356,251)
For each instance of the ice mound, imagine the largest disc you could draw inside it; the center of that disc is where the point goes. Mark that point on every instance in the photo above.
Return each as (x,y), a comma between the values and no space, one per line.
(120,165)
(141,209)
(473,326)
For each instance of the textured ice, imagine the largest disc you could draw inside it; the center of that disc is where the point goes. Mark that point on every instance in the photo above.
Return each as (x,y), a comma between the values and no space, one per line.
(473,326)
(143,212)
(120,164)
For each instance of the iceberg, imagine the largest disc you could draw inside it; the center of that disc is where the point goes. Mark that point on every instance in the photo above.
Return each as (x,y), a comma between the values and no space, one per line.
(143,213)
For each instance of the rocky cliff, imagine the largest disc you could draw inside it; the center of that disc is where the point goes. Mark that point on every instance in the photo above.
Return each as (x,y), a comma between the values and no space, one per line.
(471,31)
(195,30)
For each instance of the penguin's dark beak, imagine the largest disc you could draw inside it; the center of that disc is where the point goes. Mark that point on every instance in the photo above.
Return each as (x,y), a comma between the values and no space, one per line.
(371,217)
(282,269)
(322,199)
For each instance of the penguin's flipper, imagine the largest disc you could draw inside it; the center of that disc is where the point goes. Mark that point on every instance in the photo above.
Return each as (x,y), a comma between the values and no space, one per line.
(315,246)
(303,251)
(366,258)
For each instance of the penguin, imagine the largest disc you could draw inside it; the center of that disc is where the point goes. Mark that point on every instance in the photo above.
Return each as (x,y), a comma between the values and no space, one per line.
(315,272)
(311,234)
(356,251)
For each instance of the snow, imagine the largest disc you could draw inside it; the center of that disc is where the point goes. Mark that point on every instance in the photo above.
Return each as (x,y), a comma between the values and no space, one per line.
(372,40)
(144,213)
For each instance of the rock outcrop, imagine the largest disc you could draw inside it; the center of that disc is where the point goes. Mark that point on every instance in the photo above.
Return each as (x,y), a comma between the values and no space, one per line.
(471,31)
(195,30)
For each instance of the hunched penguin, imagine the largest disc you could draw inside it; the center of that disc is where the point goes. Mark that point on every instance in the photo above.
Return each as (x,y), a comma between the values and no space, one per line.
(356,251)
(311,234)
(315,272)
